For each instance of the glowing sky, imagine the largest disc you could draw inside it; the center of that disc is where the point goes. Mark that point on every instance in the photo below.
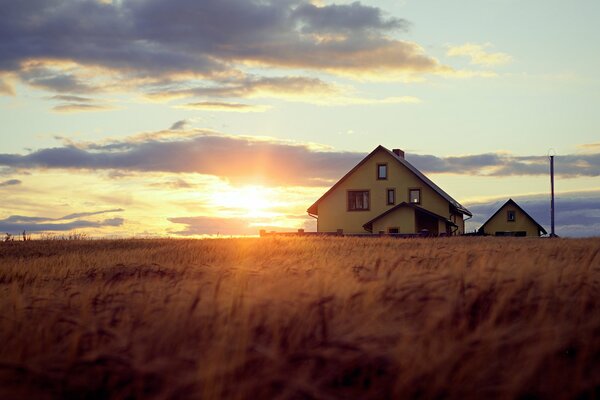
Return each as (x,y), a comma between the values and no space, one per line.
(184,117)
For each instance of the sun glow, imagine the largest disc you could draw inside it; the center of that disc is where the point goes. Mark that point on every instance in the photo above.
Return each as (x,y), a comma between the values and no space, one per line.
(250,201)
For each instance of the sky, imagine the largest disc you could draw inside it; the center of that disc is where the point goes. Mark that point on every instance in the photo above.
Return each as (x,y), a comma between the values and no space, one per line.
(185,118)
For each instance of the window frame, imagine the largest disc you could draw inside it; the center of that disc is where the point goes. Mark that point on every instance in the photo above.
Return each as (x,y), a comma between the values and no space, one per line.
(386,171)
(409,195)
(387,196)
(508,215)
(358,191)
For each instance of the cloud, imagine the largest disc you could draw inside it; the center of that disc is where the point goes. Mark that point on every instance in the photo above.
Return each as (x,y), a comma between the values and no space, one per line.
(73,103)
(269,161)
(62,227)
(10,182)
(174,184)
(80,107)
(502,164)
(178,125)
(282,87)
(56,81)
(22,218)
(139,42)
(577,213)
(223,106)
(478,54)
(344,18)
(19,223)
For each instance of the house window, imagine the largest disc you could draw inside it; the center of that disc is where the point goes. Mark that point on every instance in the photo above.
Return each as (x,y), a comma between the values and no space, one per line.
(391,196)
(510,216)
(393,230)
(382,171)
(414,196)
(358,200)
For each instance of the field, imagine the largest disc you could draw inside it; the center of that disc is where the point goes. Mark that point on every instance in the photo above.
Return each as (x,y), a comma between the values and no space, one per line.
(306,318)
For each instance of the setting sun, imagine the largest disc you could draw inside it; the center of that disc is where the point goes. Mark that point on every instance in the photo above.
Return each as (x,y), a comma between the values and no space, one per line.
(251,201)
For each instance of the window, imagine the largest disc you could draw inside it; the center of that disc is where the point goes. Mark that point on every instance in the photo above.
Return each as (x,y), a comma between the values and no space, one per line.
(381,171)
(358,200)
(510,216)
(393,230)
(391,196)
(414,196)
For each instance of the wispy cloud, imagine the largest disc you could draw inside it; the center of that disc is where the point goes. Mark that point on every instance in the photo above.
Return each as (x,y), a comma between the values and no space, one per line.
(224,106)
(19,223)
(478,54)
(80,107)
(10,182)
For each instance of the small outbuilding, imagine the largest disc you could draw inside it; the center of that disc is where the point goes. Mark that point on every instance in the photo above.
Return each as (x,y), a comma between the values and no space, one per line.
(511,220)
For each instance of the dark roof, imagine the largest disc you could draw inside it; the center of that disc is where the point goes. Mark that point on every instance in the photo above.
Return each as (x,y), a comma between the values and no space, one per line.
(314,208)
(405,204)
(513,203)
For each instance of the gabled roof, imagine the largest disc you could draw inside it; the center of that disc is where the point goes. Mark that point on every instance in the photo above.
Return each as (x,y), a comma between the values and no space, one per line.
(513,203)
(369,225)
(314,208)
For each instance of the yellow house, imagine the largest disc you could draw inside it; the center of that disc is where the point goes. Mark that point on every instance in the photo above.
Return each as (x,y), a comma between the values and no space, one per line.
(385,193)
(511,220)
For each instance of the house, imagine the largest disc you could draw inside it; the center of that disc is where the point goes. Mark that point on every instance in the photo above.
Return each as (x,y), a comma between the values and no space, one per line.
(511,220)
(385,193)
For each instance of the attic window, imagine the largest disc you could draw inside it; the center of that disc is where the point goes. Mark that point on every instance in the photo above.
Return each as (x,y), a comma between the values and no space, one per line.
(414,196)
(510,216)
(382,171)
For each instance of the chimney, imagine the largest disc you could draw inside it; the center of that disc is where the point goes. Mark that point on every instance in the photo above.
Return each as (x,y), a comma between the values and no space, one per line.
(399,153)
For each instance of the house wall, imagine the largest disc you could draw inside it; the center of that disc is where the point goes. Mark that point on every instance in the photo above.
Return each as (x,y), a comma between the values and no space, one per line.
(403,218)
(499,223)
(333,214)
(460,222)
(441,227)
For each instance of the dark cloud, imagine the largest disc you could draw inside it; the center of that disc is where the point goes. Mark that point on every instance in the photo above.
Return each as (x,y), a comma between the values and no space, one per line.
(23,218)
(178,125)
(10,227)
(230,157)
(44,78)
(344,18)
(10,182)
(576,214)
(500,164)
(270,162)
(154,38)
(20,223)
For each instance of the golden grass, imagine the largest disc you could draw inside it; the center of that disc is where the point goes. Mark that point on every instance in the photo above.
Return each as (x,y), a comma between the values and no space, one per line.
(320,318)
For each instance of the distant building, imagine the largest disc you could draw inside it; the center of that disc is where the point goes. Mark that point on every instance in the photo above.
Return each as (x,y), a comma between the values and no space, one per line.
(385,193)
(511,220)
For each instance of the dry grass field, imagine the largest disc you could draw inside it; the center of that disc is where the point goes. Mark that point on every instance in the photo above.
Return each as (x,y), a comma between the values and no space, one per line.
(300,318)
